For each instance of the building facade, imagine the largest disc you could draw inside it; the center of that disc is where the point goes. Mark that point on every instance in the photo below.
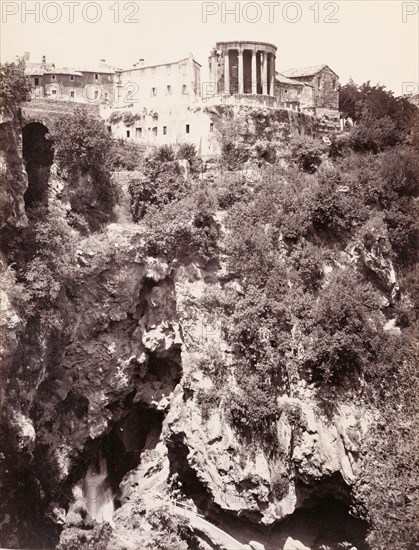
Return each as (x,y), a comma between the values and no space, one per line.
(162,103)
(82,85)
(154,85)
(322,87)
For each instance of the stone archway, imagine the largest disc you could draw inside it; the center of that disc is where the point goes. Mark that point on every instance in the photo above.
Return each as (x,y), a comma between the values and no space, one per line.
(38,153)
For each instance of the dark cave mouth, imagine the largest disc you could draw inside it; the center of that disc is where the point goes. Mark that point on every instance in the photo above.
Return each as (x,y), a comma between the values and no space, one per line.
(122,447)
(38,153)
(327,521)
(321,521)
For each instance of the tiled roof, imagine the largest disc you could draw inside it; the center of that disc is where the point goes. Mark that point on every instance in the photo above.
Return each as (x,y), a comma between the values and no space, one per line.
(103,68)
(284,80)
(303,71)
(159,62)
(36,69)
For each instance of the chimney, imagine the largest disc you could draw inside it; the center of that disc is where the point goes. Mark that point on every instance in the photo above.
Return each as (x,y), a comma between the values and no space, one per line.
(26,56)
(103,60)
(44,62)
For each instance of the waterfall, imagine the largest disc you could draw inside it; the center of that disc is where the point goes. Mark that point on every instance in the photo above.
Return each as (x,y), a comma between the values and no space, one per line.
(98,492)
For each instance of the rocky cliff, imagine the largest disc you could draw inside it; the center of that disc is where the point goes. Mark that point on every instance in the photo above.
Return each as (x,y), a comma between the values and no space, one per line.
(117,361)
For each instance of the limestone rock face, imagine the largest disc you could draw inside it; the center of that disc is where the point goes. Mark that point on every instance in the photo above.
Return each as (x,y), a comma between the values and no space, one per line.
(133,340)
(241,476)
(12,174)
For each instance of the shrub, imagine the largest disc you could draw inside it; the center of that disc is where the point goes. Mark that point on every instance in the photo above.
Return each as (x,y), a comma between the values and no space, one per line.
(163,153)
(160,184)
(341,333)
(253,409)
(125,156)
(182,230)
(234,155)
(188,151)
(307,153)
(402,223)
(308,265)
(81,142)
(15,87)
(231,187)
(82,145)
(374,135)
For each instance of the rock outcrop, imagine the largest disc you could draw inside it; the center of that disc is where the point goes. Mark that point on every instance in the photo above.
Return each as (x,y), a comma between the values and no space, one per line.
(13,176)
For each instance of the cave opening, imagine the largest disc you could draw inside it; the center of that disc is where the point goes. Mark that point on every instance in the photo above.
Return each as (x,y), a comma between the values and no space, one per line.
(38,153)
(122,447)
(326,522)
(322,520)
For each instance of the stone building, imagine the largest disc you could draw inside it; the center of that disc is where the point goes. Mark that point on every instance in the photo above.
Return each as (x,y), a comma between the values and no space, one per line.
(81,85)
(243,67)
(321,88)
(164,102)
(156,84)
(288,92)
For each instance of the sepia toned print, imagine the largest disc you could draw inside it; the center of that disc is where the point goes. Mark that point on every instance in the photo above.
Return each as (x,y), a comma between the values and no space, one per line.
(208,275)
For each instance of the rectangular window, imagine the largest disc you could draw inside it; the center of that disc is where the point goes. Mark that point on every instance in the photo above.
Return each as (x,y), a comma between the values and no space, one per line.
(155,131)
(154,92)
(36,81)
(138,133)
(53,77)
(54,92)
(71,77)
(128,134)
(168,90)
(110,129)
(211,126)
(187,128)
(334,83)
(96,76)
(71,94)
(96,94)
(106,97)
(286,91)
(164,130)
(184,89)
(319,81)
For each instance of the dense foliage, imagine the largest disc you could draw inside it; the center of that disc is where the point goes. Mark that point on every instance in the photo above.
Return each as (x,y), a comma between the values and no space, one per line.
(381,119)
(82,148)
(310,252)
(15,87)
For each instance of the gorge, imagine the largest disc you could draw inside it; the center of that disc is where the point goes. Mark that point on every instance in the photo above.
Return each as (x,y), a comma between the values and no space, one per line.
(234,370)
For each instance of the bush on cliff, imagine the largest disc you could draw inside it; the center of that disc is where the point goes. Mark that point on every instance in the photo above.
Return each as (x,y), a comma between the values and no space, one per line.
(15,87)
(307,153)
(125,156)
(82,146)
(183,229)
(160,183)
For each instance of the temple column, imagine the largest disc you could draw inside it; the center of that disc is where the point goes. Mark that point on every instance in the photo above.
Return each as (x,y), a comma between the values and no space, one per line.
(264,73)
(254,74)
(240,70)
(272,92)
(227,72)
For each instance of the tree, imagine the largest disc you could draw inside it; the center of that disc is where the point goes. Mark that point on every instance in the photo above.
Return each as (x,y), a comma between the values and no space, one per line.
(82,147)
(15,87)
(306,152)
(81,142)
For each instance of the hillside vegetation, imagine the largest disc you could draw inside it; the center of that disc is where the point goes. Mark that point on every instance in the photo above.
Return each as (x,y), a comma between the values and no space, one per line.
(315,247)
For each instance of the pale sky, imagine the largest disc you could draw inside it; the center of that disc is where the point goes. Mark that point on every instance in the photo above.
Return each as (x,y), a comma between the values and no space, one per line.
(365,40)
